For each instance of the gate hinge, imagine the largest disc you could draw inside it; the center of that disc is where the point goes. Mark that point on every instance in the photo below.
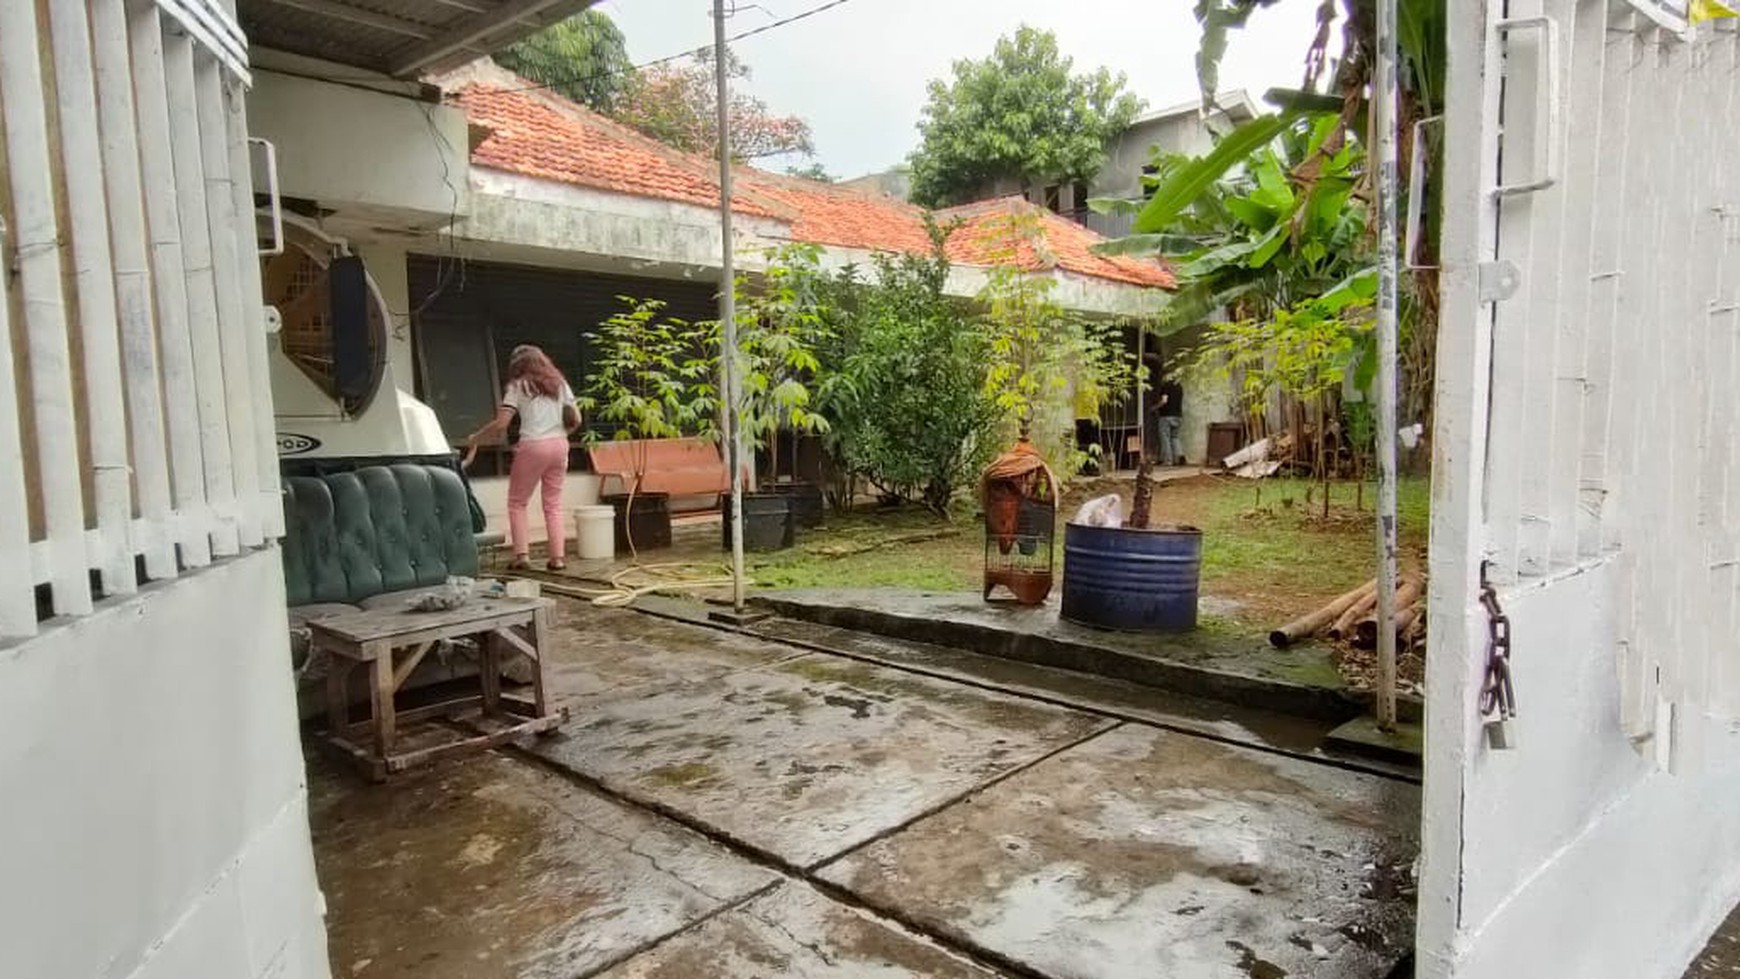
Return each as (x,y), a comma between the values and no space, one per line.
(1498,280)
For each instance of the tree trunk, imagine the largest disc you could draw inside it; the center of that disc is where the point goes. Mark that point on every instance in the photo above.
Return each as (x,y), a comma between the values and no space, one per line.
(1142,506)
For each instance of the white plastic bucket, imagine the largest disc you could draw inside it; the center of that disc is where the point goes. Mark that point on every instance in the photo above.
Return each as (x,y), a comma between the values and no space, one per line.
(583,489)
(595,532)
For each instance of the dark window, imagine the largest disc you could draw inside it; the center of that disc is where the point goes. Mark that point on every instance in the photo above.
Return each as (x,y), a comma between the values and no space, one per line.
(1079,206)
(1054,198)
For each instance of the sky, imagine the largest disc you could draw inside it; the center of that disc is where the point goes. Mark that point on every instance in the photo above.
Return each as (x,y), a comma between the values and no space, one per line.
(858,72)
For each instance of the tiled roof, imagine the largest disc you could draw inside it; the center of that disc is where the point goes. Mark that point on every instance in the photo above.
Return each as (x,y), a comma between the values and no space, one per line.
(532,135)
(828,214)
(536,134)
(987,228)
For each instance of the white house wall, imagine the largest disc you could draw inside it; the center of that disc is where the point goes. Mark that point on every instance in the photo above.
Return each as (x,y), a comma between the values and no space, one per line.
(578,226)
(155,815)
(368,155)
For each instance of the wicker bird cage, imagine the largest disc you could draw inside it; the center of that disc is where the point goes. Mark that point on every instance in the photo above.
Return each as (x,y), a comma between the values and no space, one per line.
(1020,497)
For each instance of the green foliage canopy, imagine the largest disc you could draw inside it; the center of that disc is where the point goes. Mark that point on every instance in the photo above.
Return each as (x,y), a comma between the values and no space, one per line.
(1022,112)
(583,58)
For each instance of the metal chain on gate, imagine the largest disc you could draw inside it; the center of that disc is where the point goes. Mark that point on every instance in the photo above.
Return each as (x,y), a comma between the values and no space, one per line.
(1498,697)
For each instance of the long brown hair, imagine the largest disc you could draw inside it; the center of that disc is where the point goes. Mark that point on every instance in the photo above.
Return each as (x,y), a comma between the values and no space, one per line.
(531,368)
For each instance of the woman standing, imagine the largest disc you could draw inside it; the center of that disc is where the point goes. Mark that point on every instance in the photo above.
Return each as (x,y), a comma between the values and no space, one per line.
(540,397)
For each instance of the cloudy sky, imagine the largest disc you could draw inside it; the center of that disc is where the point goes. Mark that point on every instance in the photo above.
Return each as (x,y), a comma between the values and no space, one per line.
(858,72)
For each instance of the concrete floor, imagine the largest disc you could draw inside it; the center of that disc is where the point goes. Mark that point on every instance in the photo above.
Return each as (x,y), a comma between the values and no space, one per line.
(1721,958)
(722,806)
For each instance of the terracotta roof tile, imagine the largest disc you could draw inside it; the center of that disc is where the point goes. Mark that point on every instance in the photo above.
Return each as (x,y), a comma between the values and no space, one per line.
(537,134)
(986,228)
(531,136)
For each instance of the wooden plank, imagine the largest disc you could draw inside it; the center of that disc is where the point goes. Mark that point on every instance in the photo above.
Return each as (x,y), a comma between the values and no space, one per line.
(94,282)
(405,627)
(507,636)
(402,671)
(196,250)
(169,282)
(230,325)
(48,357)
(130,255)
(472,745)
(446,708)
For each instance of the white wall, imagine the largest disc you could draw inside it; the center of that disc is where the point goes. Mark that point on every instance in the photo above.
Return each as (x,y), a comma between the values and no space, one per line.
(370,155)
(155,812)
(385,262)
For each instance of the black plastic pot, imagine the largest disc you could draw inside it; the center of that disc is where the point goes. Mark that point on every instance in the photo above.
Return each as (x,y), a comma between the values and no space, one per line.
(806,503)
(767,522)
(1131,580)
(650,520)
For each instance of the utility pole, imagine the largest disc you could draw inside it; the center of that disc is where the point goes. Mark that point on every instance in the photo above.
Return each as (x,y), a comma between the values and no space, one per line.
(1384,101)
(730,379)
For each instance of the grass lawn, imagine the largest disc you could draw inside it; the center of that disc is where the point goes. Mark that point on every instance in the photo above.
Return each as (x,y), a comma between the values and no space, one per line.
(1266,546)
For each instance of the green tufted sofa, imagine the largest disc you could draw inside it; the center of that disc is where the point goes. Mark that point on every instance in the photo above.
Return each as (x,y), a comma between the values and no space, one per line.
(352,536)
(373,536)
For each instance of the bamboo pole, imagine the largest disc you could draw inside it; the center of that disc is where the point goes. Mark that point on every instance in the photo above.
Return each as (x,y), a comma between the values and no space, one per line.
(1368,634)
(1309,625)
(220,216)
(193,519)
(732,381)
(1405,620)
(49,361)
(94,283)
(1384,102)
(1343,626)
(202,309)
(130,256)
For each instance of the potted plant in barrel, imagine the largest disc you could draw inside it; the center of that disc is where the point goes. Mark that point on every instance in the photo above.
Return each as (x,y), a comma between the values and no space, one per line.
(1132,577)
(650,379)
(777,328)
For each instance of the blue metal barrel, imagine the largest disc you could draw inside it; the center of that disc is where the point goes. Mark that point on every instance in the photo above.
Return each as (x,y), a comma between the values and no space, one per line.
(1131,580)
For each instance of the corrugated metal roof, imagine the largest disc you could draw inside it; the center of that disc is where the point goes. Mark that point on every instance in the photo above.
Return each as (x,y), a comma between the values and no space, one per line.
(407,38)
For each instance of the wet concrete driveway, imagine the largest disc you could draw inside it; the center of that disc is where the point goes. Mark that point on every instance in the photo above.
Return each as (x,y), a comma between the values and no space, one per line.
(729,807)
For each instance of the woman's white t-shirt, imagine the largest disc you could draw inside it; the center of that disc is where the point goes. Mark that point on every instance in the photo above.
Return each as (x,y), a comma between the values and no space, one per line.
(540,414)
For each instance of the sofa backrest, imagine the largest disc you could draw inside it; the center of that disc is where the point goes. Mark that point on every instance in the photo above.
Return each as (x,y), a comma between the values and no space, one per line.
(352,535)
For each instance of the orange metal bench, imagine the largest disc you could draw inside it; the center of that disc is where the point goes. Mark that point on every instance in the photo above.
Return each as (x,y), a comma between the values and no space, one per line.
(680,467)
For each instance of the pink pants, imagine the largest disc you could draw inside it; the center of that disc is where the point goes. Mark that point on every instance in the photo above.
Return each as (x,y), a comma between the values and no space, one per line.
(538,461)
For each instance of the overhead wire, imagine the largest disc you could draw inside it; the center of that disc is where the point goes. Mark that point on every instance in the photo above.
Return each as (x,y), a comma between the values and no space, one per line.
(687,53)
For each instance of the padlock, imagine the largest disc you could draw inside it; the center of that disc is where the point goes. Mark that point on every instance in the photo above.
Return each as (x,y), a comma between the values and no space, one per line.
(1501,734)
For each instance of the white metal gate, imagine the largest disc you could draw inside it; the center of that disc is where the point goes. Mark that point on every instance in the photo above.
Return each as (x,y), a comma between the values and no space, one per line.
(1586,460)
(142,437)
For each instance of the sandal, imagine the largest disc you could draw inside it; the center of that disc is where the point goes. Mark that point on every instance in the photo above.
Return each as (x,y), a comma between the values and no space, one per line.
(519,564)
(556,566)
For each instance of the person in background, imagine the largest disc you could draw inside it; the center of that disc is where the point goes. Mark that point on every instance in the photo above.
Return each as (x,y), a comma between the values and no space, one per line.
(1165,413)
(539,396)
(1087,426)
(1171,412)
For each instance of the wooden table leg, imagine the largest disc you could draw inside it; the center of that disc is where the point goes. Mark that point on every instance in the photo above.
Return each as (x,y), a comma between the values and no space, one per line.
(489,673)
(337,692)
(540,630)
(385,717)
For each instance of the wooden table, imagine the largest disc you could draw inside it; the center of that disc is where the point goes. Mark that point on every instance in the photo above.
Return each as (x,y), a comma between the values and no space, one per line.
(390,642)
